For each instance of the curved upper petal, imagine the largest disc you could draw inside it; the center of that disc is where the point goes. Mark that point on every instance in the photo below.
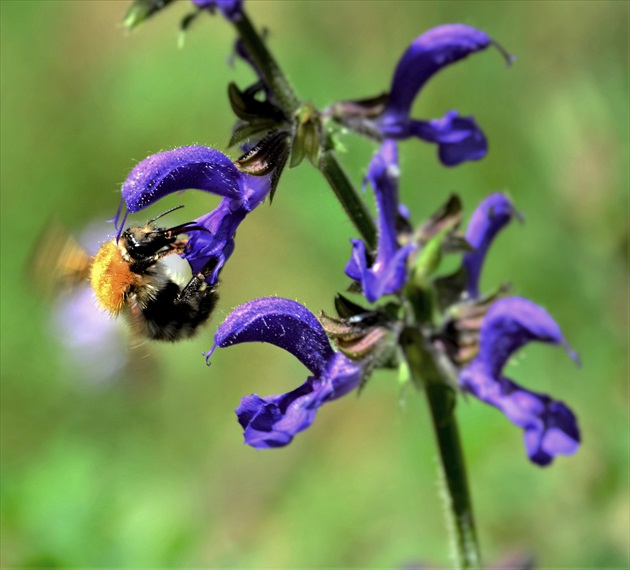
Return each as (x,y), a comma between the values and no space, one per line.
(383,176)
(387,273)
(428,54)
(273,421)
(550,428)
(282,322)
(509,324)
(189,167)
(489,218)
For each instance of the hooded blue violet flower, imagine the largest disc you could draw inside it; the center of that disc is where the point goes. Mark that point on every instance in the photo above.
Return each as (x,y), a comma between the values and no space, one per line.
(273,421)
(231,9)
(458,138)
(490,217)
(550,428)
(200,168)
(387,274)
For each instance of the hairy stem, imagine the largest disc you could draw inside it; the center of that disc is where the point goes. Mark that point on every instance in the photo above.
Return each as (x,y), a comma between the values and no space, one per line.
(286,96)
(441,399)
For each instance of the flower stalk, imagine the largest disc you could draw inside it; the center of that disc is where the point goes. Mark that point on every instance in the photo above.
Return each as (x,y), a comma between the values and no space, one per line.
(426,375)
(423,366)
(290,102)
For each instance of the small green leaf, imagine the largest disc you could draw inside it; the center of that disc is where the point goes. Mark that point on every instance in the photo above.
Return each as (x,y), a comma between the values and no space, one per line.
(141,10)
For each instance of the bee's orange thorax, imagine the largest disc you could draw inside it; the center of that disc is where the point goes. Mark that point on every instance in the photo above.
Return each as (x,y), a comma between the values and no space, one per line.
(111,277)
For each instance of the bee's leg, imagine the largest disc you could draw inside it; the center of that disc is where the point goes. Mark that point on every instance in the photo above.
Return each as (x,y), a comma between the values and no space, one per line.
(197,285)
(175,313)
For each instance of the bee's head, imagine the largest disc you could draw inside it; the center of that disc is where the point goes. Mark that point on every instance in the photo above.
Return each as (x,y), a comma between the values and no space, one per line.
(144,242)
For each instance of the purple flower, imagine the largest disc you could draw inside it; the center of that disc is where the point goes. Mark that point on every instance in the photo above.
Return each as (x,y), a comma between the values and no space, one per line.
(231,9)
(273,421)
(93,341)
(458,138)
(550,428)
(387,274)
(200,168)
(490,217)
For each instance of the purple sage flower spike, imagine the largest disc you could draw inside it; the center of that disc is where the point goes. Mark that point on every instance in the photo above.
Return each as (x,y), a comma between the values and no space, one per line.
(200,168)
(231,9)
(387,274)
(550,428)
(490,217)
(458,138)
(273,421)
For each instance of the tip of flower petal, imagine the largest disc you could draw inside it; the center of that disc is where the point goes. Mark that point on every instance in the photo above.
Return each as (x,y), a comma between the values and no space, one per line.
(509,58)
(572,354)
(208,355)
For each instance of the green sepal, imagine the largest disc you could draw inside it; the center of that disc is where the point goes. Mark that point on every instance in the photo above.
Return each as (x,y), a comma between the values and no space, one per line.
(404,374)
(307,140)
(141,10)
(346,308)
(450,288)
(269,155)
(447,217)
(247,107)
(256,128)
(184,26)
(266,155)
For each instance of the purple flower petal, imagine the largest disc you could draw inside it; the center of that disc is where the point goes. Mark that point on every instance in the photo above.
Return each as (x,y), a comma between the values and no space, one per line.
(459,139)
(490,217)
(428,54)
(387,274)
(550,428)
(231,9)
(273,421)
(217,242)
(201,168)
(281,322)
(189,167)
(509,324)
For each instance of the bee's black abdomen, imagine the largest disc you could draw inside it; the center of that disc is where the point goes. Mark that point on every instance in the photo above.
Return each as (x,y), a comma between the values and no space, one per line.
(171,316)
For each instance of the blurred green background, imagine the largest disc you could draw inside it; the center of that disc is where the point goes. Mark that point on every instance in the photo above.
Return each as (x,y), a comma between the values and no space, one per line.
(147,468)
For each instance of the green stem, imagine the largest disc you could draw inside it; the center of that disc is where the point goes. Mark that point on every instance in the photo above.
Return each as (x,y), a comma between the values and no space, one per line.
(347,195)
(328,164)
(441,399)
(267,65)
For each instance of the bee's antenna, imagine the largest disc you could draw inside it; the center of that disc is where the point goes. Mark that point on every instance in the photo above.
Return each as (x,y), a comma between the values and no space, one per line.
(188,226)
(165,213)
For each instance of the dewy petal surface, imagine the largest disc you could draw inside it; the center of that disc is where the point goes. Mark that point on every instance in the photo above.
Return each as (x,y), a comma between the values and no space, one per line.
(550,428)
(428,54)
(489,218)
(190,167)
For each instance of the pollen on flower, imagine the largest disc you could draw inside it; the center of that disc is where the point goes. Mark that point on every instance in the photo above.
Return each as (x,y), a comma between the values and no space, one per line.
(110,278)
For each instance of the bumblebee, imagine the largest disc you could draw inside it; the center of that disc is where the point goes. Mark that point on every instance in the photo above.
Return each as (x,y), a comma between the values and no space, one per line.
(130,279)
